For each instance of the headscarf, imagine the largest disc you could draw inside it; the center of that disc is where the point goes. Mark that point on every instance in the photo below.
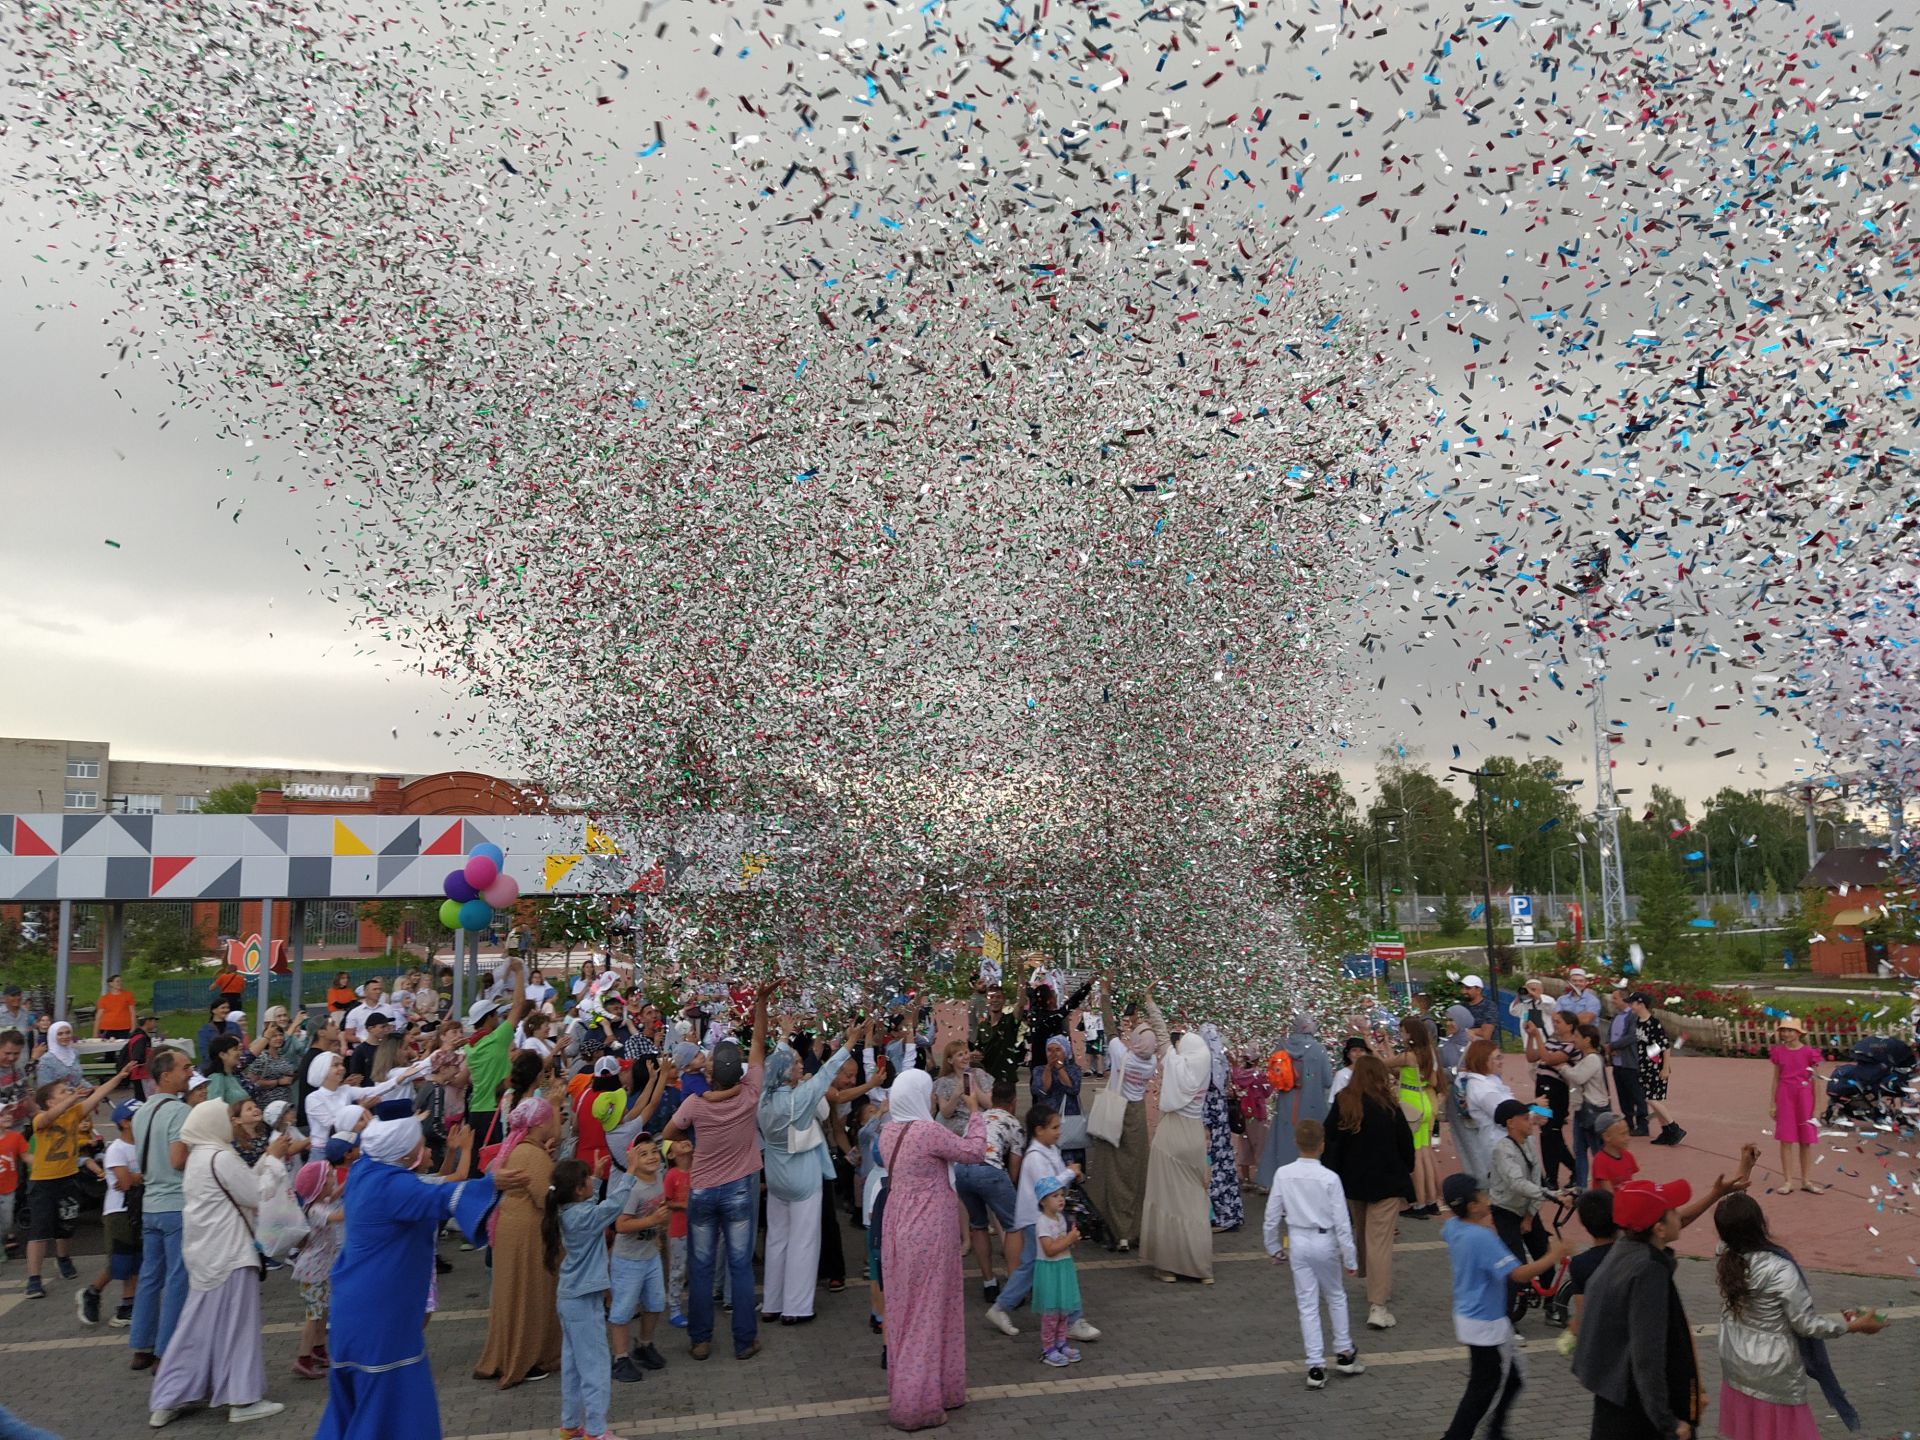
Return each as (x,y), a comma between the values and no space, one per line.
(1184,1073)
(1143,1042)
(1303,1024)
(530,1114)
(1066,1046)
(779,1066)
(391,1142)
(317,1069)
(1210,1033)
(308,1181)
(911,1097)
(207,1125)
(59,1049)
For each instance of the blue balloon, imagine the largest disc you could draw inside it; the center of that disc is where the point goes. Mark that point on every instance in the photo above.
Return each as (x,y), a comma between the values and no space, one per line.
(492,852)
(457,889)
(476,915)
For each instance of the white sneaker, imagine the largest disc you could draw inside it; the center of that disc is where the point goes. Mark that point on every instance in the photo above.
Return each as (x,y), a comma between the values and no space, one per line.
(1081,1330)
(161,1418)
(1380,1318)
(1001,1321)
(1349,1364)
(259,1410)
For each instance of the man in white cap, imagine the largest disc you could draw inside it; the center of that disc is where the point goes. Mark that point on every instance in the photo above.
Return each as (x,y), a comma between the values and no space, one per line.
(1578,1000)
(1486,1020)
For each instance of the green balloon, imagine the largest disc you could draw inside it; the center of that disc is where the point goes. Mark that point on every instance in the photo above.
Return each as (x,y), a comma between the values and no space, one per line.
(450,914)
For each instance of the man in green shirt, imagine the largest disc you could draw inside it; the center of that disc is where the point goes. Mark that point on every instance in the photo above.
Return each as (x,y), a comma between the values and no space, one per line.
(489,1055)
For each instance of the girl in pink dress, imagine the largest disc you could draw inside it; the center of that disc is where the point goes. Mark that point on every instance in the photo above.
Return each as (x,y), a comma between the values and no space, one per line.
(1795,1063)
(926,1299)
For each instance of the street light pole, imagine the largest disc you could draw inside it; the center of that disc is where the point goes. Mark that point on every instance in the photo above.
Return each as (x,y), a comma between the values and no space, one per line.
(1486,868)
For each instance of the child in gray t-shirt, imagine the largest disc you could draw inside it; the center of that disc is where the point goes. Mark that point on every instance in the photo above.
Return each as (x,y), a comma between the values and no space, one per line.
(639,1279)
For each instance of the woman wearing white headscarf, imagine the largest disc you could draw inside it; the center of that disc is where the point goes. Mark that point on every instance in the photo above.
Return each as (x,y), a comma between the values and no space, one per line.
(1175,1238)
(1223,1177)
(1117,1174)
(214,1357)
(792,1112)
(60,1060)
(330,1096)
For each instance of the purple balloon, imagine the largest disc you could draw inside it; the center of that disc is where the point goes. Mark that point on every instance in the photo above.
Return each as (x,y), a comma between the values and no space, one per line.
(481,872)
(457,888)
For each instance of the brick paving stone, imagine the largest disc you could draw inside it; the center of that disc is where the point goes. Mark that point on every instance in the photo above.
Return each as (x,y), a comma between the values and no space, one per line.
(1176,1359)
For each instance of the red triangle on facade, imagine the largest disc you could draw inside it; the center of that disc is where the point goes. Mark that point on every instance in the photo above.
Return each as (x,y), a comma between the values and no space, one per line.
(447,844)
(165,867)
(25,842)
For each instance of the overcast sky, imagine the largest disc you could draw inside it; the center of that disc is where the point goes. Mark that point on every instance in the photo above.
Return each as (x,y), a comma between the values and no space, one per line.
(202,637)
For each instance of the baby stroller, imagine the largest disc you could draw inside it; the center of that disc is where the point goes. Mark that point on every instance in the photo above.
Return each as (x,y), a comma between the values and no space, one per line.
(1081,1212)
(1874,1087)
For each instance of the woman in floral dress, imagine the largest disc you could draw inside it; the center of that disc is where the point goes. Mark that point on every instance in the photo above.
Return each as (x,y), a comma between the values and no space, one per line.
(1223,1177)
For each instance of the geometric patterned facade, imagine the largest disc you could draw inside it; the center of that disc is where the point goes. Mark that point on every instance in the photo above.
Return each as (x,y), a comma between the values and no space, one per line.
(316,857)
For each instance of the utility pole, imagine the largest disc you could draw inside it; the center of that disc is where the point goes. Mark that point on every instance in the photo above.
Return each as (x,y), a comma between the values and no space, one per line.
(1606,811)
(1486,869)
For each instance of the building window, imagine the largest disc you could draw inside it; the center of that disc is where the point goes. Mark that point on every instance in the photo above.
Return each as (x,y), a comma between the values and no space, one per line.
(137,804)
(187,804)
(83,800)
(83,769)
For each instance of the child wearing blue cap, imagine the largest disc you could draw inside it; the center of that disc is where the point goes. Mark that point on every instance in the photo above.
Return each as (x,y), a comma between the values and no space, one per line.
(120,1216)
(1056,1286)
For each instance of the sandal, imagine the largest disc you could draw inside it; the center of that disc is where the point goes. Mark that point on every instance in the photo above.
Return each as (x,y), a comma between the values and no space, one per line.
(1788,1188)
(834,1287)
(1813,1189)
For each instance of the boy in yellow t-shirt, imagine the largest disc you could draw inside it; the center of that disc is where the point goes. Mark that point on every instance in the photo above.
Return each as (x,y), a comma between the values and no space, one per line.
(64,1121)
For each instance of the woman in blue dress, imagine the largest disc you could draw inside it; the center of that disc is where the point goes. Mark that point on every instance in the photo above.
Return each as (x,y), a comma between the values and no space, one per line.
(380,1384)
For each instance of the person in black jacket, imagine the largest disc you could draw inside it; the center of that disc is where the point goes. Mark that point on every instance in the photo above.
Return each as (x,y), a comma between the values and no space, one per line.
(1635,1351)
(1046,1017)
(1370,1147)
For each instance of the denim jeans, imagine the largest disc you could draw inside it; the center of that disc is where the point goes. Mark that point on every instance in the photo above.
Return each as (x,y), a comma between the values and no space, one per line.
(586,1369)
(1019,1285)
(711,1210)
(984,1188)
(1585,1142)
(1633,1096)
(163,1282)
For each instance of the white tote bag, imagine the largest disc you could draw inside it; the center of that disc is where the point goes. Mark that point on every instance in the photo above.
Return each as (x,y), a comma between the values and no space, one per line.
(1109,1116)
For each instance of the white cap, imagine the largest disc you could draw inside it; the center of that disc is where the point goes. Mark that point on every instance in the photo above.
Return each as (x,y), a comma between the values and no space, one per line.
(1576,973)
(481,1009)
(1473,982)
(606,1065)
(195,1080)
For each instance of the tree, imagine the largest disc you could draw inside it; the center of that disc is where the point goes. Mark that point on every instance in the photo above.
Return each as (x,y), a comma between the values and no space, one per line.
(1529,813)
(574,921)
(1807,919)
(389,917)
(162,939)
(424,916)
(1665,908)
(1453,919)
(237,798)
(1427,819)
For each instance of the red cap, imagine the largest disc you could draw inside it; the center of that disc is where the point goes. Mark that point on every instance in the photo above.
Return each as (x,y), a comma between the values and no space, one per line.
(1639,1204)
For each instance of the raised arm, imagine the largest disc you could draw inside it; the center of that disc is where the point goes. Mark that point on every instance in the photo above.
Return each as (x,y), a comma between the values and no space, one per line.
(520,1006)
(763,992)
(1162,1037)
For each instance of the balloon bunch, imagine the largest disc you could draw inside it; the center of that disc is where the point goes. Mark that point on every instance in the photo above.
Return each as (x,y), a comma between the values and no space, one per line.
(478,888)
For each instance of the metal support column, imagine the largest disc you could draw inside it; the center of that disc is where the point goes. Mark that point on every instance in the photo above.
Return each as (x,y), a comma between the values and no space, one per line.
(266,963)
(113,943)
(65,960)
(459,978)
(297,950)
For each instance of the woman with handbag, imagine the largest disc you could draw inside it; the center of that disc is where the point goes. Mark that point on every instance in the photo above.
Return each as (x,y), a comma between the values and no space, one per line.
(1057,1084)
(793,1107)
(215,1358)
(1175,1238)
(1117,1134)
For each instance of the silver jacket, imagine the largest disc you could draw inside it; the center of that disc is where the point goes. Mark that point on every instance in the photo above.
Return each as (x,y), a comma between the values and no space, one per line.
(1760,1350)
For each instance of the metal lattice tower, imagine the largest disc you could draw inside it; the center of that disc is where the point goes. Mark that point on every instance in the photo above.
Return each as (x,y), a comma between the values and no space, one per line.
(1606,810)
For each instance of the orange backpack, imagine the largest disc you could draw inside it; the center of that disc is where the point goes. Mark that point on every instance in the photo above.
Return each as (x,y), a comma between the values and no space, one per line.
(1280,1071)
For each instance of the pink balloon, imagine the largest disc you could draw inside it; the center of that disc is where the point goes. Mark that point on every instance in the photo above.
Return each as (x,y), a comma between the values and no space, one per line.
(502,893)
(480,871)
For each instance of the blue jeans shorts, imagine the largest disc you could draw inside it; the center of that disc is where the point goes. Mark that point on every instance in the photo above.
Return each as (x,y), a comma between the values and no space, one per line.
(637,1285)
(983,1188)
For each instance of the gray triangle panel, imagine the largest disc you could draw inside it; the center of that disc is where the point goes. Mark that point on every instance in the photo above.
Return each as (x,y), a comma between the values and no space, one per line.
(44,886)
(473,836)
(226,887)
(72,827)
(391,868)
(406,843)
(310,877)
(274,827)
(138,828)
(129,877)
(6,834)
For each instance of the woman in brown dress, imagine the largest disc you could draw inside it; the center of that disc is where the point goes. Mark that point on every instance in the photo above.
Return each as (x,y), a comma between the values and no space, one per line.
(523,1321)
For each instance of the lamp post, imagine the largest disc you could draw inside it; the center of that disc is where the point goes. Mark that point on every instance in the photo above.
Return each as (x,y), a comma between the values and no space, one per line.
(1379,877)
(1486,867)
(1579,847)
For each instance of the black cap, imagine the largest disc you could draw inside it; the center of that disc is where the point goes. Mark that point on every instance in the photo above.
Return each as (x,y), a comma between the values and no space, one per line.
(1458,1191)
(379,1017)
(1510,1110)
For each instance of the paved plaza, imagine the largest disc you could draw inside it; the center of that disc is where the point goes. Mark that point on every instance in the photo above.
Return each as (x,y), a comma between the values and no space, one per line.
(1180,1359)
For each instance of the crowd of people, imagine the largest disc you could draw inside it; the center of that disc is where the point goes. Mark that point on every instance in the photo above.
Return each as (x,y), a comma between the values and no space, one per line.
(634,1163)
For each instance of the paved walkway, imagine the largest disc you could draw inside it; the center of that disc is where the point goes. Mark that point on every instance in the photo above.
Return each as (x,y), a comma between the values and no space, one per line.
(1221,1361)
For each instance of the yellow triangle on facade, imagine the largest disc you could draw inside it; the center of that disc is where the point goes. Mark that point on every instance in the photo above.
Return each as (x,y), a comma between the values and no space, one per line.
(599,842)
(345,842)
(558,865)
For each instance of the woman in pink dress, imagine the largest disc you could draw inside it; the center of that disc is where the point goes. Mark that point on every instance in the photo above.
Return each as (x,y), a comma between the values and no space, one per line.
(926,1291)
(1794,1065)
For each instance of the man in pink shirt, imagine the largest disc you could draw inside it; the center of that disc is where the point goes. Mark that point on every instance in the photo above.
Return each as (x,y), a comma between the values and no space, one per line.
(724,1163)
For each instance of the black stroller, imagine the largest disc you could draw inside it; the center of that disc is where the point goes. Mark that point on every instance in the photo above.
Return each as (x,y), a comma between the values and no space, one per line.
(1875,1087)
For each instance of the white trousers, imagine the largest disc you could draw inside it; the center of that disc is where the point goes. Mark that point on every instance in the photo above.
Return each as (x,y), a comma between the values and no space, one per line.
(793,1255)
(1315,1262)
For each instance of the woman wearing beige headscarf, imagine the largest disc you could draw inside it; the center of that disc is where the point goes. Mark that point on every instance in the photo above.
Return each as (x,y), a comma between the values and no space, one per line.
(1176,1233)
(523,1319)
(214,1357)
(1117,1174)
